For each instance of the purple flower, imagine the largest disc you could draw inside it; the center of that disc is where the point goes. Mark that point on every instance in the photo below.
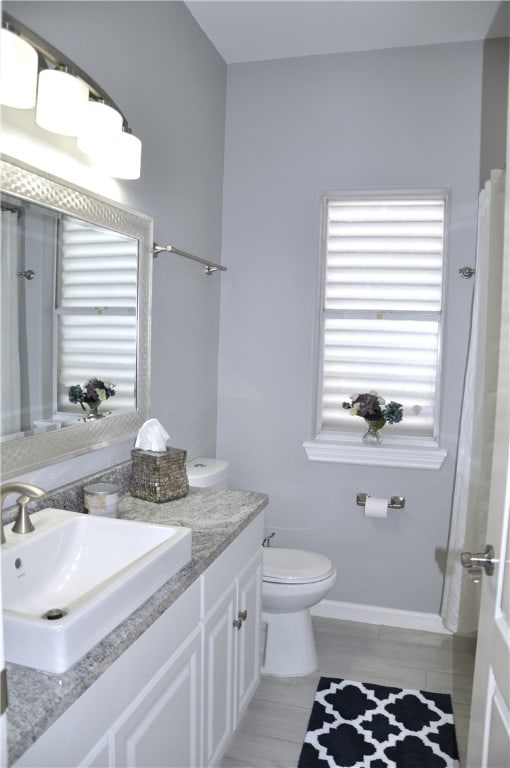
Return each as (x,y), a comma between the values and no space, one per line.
(93,392)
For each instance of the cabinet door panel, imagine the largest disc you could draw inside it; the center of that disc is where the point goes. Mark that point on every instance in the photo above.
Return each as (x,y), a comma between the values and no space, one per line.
(99,757)
(248,664)
(219,661)
(163,725)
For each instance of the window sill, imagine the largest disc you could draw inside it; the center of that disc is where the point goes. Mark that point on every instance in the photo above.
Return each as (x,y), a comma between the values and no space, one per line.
(409,453)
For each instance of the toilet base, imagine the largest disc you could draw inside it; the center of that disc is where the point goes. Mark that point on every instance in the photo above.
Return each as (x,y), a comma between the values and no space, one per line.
(290,644)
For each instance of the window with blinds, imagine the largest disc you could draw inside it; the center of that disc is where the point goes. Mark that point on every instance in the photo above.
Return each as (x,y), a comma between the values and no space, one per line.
(382,307)
(96,312)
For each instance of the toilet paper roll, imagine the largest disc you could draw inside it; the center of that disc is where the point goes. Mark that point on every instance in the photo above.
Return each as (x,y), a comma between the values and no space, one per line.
(376,507)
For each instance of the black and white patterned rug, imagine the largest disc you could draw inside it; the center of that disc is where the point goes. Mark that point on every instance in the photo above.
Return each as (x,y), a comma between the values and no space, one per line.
(359,725)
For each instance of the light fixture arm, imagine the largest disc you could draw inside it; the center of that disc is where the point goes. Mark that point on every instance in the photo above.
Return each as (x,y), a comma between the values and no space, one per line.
(48,53)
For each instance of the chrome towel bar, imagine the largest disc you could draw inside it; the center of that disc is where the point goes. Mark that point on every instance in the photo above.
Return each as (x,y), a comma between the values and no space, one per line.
(210,266)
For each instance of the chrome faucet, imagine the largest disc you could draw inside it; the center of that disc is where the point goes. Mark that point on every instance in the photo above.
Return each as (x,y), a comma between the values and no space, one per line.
(23,523)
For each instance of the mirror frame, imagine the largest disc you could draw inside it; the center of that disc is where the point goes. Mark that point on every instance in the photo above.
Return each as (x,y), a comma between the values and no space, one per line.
(30,453)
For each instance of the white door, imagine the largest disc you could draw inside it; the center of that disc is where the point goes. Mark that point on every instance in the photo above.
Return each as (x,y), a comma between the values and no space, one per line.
(489,725)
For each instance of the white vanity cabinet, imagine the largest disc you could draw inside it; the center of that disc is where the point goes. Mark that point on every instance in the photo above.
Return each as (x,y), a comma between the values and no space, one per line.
(231,643)
(174,697)
(101,725)
(160,729)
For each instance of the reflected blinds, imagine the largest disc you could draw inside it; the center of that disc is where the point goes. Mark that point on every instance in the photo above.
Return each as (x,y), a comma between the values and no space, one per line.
(96,311)
(382,306)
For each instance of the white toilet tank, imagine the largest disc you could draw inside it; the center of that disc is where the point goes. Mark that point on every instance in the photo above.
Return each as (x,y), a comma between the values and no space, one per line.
(207,473)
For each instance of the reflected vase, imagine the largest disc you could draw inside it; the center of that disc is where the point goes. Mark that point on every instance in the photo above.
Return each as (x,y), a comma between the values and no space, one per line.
(373,434)
(94,413)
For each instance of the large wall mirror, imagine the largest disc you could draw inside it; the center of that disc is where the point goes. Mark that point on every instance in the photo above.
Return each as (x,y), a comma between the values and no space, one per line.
(75,301)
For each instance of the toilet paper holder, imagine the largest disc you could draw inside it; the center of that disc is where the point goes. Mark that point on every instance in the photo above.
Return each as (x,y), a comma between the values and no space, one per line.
(396,502)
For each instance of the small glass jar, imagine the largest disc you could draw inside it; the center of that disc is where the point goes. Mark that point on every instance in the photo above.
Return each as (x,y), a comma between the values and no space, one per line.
(101,499)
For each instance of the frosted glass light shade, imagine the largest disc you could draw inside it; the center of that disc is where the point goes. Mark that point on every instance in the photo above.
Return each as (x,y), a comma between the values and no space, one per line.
(101,124)
(61,100)
(18,71)
(126,158)
(120,157)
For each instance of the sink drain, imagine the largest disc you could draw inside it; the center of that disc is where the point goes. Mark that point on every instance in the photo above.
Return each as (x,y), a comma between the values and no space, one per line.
(54,613)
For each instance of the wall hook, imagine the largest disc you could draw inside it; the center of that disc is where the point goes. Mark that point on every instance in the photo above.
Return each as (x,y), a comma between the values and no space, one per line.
(28,274)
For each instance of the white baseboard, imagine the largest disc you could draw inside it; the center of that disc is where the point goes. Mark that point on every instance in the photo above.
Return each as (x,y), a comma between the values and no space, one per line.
(374,614)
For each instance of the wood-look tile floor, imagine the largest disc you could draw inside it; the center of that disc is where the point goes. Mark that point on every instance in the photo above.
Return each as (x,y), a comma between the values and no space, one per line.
(271,733)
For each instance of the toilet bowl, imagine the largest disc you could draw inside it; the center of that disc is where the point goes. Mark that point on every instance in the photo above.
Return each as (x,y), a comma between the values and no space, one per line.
(293,580)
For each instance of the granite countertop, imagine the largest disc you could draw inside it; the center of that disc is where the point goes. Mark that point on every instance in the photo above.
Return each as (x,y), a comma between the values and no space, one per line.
(37,699)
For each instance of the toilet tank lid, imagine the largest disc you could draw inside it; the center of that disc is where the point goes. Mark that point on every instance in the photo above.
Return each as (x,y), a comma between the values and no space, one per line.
(203,472)
(295,566)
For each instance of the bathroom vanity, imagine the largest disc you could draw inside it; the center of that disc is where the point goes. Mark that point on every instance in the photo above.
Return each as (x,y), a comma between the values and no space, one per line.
(168,686)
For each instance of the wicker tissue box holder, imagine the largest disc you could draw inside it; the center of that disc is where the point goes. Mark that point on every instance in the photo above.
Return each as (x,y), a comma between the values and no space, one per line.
(159,476)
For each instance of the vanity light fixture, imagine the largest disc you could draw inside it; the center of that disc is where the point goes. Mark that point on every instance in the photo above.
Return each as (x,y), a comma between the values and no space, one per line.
(125,155)
(18,71)
(68,102)
(61,100)
(100,123)
(117,151)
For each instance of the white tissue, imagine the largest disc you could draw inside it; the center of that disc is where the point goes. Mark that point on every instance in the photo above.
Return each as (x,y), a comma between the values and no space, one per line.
(152,437)
(376,507)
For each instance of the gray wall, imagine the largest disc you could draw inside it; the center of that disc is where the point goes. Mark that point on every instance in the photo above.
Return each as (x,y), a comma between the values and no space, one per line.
(162,71)
(298,128)
(408,118)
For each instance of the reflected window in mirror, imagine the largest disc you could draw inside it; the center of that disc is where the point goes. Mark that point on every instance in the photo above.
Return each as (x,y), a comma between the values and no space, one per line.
(96,313)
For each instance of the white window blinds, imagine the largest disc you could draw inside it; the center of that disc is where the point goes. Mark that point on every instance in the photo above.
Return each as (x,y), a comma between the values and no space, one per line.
(381,315)
(96,312)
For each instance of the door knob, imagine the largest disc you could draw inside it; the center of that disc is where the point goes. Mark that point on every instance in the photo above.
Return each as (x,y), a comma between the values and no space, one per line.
(485,560)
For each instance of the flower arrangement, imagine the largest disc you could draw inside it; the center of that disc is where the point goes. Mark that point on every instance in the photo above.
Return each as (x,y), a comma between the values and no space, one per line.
(92,393)
(376,412)
(369,405)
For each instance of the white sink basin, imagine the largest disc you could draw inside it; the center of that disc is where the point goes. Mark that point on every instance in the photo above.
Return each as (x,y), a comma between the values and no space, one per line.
(95,570)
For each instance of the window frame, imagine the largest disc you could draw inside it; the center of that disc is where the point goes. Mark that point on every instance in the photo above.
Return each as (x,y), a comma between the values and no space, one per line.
(408,451)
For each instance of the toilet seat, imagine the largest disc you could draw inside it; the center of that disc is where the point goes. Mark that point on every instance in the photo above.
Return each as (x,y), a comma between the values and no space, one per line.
(295,566)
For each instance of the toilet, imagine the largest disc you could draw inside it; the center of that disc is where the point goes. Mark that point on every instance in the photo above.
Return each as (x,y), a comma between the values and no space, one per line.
(207,473)
(293,581)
